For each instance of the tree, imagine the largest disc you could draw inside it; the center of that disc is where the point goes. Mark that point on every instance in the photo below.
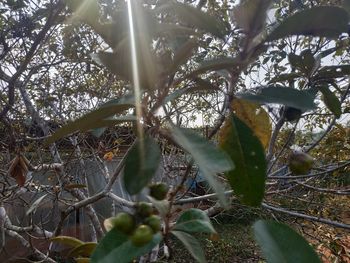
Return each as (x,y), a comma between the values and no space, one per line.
(156,66)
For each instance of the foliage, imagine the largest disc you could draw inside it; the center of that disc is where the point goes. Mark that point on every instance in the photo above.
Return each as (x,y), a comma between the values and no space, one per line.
(154,68)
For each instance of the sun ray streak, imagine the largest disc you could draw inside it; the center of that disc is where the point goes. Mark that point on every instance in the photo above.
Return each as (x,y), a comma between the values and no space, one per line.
(135,72)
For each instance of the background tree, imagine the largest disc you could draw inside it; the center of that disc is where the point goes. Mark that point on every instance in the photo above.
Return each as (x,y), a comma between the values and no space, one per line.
(261,75)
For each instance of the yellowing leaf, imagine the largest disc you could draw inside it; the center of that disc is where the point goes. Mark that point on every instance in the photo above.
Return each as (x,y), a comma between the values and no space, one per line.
(108,156)
(255,117)
(68,241)
(84,250)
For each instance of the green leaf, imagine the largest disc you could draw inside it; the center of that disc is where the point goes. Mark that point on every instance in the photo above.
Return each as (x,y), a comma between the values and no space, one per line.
(93,119)
(333,72)
(117,246)
(84,250)
(183,53)
(101,125)
(194,221)
(245,149)
(174,30)
(119,62)
(331,101)
(214,65)
(195,17)
(312,22)
(250,15)
(87,11)
(141,164)
(282,95)
(161,205)
(200,85)
(35,205)
(285,77)
(210,160)
(305,63)
(68,241)
(192,245)
(280,243)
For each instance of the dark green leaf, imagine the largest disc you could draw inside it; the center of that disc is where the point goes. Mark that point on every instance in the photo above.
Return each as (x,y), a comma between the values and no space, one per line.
(245,149)
(285,77)
(282,95)
(280,243)
(210,160)
(183,53)
(101,125)
(191,244)
(194,221)
(195,17)
(200,85)
(177,30)
(333,72)
(141,165)
(306,63)
(331,101)
(250,15)
(117,246)
(119,62)
(312,22)
(87,11)
(214,65)
(92,120)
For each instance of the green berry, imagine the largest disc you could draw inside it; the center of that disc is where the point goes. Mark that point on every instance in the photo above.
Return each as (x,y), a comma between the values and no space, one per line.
(124,222)
(154,222)
(143,209)
(158,191)
(142,235)
(300,163)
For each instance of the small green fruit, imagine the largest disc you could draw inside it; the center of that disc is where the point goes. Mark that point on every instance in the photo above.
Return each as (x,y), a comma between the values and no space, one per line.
(124,222)
(300,163)
(143,209)
(142,235)
(158,191)
(154,222)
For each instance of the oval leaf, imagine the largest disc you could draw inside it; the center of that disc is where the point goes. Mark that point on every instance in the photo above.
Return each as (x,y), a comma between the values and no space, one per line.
(183,53)
(312,22)
(255,117)
(333,72)
(84,250)
(192,245)
(299,99)
(194,221)
(141,164)
(280,243)
(214,65)
(331,101)
(115,245)
(209,159)
(92,119)
(248,178)
(195,17)
(68,241)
